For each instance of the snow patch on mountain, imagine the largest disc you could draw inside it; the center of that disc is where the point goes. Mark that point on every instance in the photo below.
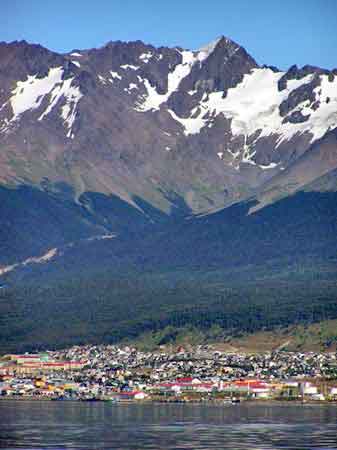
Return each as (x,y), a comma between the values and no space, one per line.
(34,259)
(153,100)
(114,76)
(51,254)
(272,165)
(129,66)
(72,96)
(131,87)
(324,117)
(145,57)
(29,94)
(69,110)
(190,125)
(101,79)
(254,105)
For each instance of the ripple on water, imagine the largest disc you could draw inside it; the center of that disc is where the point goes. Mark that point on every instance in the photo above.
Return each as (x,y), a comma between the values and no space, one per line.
(54,425)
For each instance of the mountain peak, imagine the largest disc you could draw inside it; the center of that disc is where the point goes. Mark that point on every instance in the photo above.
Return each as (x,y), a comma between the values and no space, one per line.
(208,48)
(224,49)
(220,40)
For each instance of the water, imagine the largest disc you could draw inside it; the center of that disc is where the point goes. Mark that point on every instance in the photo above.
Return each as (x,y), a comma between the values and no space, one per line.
(63,425)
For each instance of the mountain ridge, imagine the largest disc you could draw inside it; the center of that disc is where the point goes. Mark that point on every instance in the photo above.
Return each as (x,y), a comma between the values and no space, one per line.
(171,123)
(145,187)
(182,132)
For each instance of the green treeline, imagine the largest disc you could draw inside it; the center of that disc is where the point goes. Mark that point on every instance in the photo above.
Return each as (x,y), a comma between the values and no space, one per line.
(103,308)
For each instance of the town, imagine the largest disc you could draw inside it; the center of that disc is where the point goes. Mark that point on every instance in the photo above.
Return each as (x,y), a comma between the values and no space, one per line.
(117,374)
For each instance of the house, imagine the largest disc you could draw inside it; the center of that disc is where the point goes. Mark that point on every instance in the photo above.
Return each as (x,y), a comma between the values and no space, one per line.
(22,359)
(333,393)
(131,395)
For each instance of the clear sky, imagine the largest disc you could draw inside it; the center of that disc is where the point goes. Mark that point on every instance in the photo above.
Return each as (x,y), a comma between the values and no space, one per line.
(275,32)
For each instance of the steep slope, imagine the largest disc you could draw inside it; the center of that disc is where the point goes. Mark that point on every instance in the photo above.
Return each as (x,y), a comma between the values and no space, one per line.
(33,221)
(316,163)
(325,183)
(206,128)
(240,271)
(300,230)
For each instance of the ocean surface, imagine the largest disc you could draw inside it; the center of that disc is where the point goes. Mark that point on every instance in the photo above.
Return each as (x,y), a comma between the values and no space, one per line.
(63,425)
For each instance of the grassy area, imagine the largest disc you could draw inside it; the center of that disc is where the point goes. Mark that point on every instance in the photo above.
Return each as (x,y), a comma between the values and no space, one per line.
(320,336)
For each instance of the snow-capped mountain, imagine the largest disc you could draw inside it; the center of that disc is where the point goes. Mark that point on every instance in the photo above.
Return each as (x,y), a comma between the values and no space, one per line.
(145,187)
(209,126)
(161,131)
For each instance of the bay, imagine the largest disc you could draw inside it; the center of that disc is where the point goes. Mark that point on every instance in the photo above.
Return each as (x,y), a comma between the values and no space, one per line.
(80,425)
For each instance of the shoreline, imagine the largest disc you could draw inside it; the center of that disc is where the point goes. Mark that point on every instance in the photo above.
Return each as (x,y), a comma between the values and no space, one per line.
(175,402)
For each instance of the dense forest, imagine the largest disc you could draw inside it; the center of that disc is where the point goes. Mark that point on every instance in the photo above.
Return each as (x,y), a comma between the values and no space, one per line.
(238,271)
(109,309)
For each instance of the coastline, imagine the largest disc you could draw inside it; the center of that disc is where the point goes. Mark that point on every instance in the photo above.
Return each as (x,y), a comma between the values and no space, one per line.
(213,402)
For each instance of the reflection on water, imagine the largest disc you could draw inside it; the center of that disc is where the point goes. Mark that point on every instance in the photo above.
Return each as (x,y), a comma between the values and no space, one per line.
(60,425)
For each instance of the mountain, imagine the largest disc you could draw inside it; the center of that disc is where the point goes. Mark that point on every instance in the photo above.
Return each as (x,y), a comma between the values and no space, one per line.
(163,168)
(207,127)
(238,271)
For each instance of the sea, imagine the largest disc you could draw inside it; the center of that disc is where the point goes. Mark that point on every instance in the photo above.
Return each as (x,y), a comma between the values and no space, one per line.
(100,425)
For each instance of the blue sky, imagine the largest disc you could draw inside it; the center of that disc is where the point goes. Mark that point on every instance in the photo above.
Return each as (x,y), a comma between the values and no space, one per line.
(275,32)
